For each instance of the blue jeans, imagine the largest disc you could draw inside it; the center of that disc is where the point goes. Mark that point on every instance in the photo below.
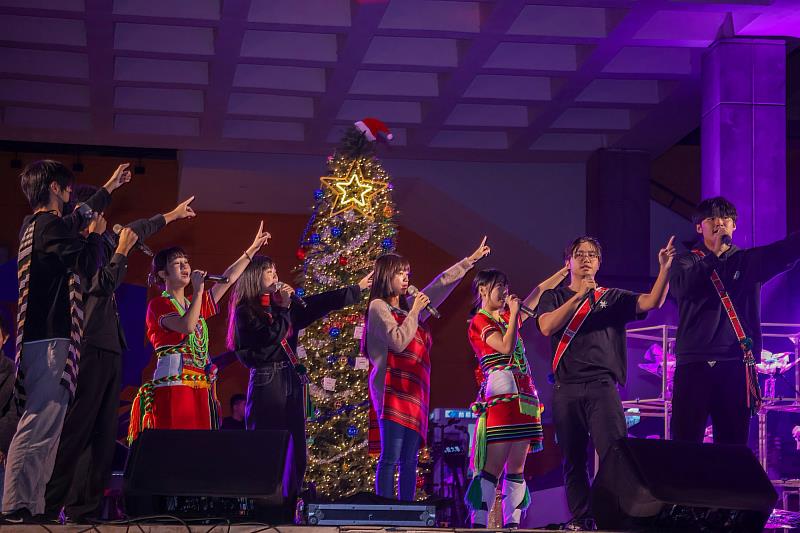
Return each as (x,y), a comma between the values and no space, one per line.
(399,448)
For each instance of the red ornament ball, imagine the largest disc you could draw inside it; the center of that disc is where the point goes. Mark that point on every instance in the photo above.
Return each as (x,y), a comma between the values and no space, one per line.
(342,260)
(300,254)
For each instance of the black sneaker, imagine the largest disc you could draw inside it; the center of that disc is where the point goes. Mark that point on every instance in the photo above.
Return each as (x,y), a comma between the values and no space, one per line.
(18,516)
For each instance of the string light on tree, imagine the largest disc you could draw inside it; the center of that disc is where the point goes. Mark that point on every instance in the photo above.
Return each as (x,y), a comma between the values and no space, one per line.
(352,219)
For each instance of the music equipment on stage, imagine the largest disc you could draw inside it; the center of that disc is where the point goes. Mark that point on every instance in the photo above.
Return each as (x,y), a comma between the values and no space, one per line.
(255,465)
(387,514)
(669,485)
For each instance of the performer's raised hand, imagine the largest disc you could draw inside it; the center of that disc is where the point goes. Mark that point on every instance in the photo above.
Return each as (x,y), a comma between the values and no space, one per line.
(262,237)
(667,254)
(182,210)
(366,281)
(120,177)
(481,252)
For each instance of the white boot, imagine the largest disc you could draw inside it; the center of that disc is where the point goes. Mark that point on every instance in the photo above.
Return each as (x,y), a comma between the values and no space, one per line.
(516,498)
(480,498)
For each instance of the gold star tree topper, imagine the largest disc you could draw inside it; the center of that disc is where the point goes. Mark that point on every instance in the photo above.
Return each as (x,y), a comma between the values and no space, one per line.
(352,191)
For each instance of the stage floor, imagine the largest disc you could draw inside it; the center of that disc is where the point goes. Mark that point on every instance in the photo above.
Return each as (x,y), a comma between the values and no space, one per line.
(223,527)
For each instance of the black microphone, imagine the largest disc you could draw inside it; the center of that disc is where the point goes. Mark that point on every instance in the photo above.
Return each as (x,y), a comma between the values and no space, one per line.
(591,298)
(139,244)
(412,291)
(218,278)
(726,239)
(295,298)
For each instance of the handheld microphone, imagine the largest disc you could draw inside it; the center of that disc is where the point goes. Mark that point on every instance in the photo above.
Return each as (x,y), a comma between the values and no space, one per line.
(295,298)
(139,244)
(527,310)
(726,239)
(412,291)
(591,297)
(218,278)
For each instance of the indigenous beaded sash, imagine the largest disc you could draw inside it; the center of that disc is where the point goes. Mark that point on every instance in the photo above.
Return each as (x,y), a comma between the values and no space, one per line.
(69,376)
(746,343)
(575,324)
(525,395)
(196,346)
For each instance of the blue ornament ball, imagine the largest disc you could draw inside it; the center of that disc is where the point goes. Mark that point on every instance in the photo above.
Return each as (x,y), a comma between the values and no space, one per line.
(352,431)
(315,238)
(387,243)
(332,359)
(318,194)
(300,291)
(336,231)
(334,332)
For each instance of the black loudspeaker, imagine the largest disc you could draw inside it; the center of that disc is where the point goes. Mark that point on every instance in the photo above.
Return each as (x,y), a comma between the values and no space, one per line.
(226,464)
(680,486)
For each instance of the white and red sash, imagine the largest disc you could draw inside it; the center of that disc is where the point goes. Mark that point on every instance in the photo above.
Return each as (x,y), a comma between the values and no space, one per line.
(575,324)
(746,343)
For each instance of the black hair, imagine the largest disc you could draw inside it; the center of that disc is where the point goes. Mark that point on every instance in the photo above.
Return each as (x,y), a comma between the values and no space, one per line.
(574,245)
(36,178)
(489,278)
(160,262)
(247,291)
(714,207)
(386,266)
(236,398)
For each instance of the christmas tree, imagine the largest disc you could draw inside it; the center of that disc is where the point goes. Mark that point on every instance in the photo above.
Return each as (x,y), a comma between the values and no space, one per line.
(351,225)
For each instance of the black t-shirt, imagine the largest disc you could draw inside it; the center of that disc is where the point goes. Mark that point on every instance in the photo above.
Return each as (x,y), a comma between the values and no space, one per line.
(599,347)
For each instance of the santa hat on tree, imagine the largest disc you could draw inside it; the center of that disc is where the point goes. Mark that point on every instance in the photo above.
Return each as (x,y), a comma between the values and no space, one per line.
(373,129)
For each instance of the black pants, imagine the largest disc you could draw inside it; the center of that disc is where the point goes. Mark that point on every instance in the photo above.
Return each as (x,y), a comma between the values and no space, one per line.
(275,401)
(581,410)
(90,428)
(701,390)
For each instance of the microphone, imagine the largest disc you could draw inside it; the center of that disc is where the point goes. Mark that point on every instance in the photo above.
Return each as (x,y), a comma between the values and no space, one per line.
(527,310)
(591,297)
(412,291)
(218,278)
(726,239)
(139,244)
(295,298)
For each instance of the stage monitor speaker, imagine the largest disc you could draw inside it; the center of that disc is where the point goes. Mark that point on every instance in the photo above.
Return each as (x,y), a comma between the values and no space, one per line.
(232,464)
(679,486)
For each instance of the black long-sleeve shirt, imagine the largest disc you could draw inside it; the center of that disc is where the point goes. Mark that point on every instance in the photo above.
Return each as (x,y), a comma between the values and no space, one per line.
(101,327)
(8,411)
(57,249)
(258,337)
(704,329)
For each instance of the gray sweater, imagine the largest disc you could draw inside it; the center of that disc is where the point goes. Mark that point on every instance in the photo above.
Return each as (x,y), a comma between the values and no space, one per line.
(384,334)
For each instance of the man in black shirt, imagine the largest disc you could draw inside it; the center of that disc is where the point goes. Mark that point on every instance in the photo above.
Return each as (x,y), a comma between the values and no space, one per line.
(90,425)
(710,372)
(588,367)
(52,254)
(236,420)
